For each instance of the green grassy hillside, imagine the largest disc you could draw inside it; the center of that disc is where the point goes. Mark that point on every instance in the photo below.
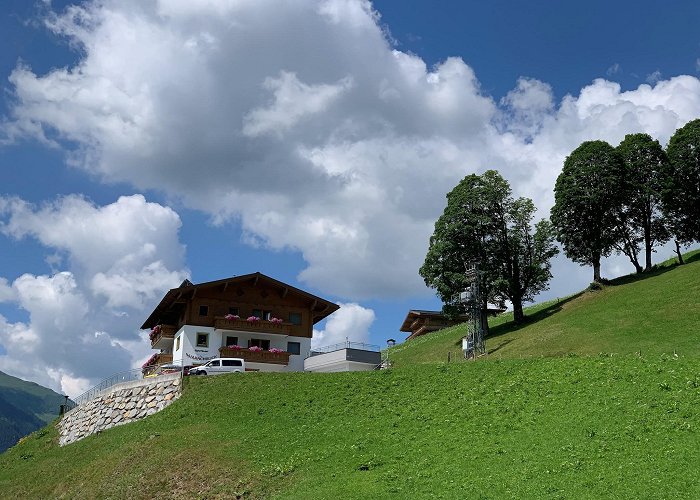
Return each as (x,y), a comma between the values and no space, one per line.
(553,424)
(596,427)
(24,407)
(652,314)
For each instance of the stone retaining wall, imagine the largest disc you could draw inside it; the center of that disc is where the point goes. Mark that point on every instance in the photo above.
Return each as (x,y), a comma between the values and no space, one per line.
(120,404)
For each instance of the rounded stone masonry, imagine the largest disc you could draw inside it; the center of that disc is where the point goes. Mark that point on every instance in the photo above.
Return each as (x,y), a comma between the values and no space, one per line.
(120,404)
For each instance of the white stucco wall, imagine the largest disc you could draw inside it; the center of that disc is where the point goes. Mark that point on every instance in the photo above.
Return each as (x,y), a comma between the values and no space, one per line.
(335,361)
(188,336)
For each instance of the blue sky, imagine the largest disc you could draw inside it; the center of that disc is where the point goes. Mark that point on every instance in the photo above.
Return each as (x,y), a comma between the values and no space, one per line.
(142,142)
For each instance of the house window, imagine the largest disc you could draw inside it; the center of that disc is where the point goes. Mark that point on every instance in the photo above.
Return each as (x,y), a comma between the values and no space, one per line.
(262,314)
(294,348)
(265,344)
(231,341)
(233,310)
(202,340)
(204,310)
(295,318)
(177,344)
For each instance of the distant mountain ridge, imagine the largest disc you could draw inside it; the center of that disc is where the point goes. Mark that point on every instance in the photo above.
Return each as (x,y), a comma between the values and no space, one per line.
(24,408)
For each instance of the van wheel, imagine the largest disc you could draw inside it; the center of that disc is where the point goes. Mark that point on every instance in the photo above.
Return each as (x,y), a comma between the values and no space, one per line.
(202,372)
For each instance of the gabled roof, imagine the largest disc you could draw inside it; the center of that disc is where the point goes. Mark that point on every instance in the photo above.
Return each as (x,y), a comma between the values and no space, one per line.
(414,314)
(321,308)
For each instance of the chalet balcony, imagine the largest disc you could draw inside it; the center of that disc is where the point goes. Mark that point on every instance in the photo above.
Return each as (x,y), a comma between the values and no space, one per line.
(276,358)
(151,366)
(164,337)
(163,358)
(243,325)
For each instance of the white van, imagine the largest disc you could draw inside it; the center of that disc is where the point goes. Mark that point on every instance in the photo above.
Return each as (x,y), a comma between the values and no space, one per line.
(219,365)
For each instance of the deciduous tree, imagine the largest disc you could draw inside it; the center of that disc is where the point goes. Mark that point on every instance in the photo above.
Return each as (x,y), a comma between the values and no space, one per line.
(646,166)
(482,224)
(587,203)
(681,193)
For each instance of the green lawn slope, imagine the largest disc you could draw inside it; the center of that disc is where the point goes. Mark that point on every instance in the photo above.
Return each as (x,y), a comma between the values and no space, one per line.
(592,427)
(596,397)
(649,314)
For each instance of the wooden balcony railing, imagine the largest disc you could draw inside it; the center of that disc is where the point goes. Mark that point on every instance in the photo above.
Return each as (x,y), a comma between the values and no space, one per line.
(276,358)
(252,326)
(166,332)
(162,358)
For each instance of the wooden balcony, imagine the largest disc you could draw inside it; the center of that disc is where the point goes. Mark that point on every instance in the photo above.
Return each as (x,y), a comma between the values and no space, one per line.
(163,358)
(262,326)
(281,358)
(160,359)
(164,337)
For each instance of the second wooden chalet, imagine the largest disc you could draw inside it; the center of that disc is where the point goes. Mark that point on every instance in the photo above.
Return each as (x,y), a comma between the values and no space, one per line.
(419,322)
(264,321)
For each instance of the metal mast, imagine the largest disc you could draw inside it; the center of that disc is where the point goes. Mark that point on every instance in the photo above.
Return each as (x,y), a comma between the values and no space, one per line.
(473,300)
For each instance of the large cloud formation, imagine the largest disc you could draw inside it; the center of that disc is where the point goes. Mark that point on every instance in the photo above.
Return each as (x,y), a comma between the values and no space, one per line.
(82,325)
(304,122)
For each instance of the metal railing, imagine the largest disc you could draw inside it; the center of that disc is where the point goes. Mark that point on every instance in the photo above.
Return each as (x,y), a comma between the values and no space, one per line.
(345,345)
(127,376)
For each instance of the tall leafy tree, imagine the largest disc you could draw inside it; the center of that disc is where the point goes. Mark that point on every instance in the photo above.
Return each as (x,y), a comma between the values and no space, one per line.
(483,224)
(681,194)
(461,238)
(587,203)
(646,166)
(526,253)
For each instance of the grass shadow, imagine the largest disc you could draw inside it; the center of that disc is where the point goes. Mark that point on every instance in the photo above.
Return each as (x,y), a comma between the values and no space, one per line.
(546,312)
(693,258)
(633,278)
(659,269)
(500,346)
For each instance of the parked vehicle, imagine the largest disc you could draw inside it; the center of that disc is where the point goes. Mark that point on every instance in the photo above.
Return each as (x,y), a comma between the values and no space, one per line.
(219,365)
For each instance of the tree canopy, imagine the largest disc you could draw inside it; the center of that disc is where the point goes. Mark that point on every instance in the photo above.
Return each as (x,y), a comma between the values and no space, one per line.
(642,221)
(482,224)
(588,198)
(681,193)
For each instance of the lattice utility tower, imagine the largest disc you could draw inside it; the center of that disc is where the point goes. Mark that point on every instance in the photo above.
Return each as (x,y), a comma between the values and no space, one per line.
(473,301)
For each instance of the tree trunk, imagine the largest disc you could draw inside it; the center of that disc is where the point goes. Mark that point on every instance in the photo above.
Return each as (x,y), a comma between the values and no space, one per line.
(637,267)
(518,314)
(596,269)
(516,297)
(485,321)
(647,247)
(678,251)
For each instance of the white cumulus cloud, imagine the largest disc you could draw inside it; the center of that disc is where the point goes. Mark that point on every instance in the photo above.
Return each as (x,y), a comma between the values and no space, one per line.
(350,323)
(83,321)
(302,122)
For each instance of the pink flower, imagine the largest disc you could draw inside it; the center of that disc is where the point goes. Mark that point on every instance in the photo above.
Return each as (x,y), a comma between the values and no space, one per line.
(255,349)
(234,347)
(232,317)
(154,333)
(252,319)
(274,350)
(275,320)
(151,361)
